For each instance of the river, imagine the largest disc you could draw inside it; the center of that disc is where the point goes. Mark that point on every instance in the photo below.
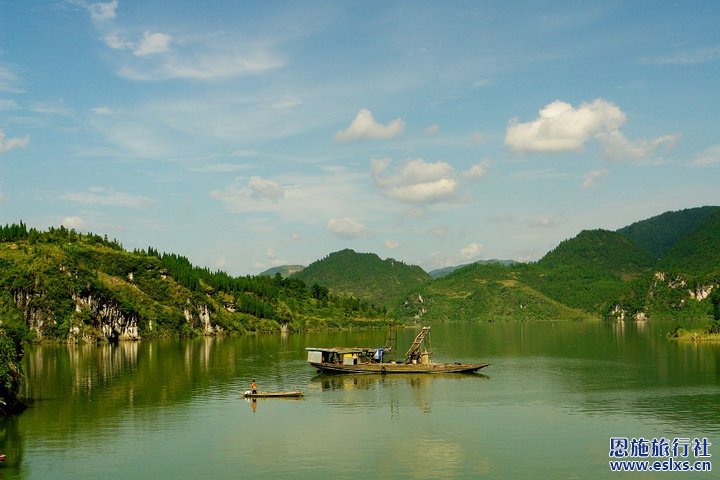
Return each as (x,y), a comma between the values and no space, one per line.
(554,396)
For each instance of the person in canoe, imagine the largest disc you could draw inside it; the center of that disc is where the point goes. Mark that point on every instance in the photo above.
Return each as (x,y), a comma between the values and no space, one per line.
(253,387)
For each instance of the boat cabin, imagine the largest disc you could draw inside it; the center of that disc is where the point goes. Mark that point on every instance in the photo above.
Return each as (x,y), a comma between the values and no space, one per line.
(345,356)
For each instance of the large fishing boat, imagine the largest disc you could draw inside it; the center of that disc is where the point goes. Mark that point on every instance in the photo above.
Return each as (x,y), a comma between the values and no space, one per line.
(372,360)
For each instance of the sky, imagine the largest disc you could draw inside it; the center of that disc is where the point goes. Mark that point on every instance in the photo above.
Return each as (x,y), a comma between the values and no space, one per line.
(246,135)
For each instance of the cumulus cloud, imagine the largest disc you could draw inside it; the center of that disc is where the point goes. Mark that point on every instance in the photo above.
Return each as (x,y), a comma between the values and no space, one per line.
(364,127)
(471,252)
(12,143)
(262,188)
(560,127)
(708,157)
(108,197)
(416,181)
(152,43)
(346,227)
(593,177)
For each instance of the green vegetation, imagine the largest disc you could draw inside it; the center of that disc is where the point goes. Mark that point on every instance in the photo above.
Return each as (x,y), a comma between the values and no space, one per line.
(68,286)
(657,235)
(365,276)
(283,270)
(486,292)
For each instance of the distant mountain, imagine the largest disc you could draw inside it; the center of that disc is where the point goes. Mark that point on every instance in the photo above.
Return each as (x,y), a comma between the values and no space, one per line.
(283,270)
(659,234)
(364,275)
(441,272)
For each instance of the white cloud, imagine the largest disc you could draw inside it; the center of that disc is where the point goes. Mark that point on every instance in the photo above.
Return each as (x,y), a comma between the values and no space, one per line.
(114,41)
(476,171)
(12,143)
(346,227)
(152,43)
(256,188)
(262,188)
(391,244)
(416,181)
(364,126)
(708,157)
(108,197)
(471,252)
(593,177)
(206,64)
(617,147)
(73,222)
(102,11)
(561,127)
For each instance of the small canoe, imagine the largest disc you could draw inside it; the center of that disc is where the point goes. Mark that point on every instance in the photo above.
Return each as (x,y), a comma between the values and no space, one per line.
(292,394)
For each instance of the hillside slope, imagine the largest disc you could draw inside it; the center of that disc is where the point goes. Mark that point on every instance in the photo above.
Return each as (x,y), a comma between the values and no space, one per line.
(365,276)
(483,292)
(64,285)
(659,234)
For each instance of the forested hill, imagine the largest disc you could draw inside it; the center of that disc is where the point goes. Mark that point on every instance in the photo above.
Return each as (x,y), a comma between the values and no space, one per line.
(364,275)
(657,235)
(64,285)
(699,251)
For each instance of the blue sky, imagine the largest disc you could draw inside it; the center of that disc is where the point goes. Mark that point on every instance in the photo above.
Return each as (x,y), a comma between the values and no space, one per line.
(246,135)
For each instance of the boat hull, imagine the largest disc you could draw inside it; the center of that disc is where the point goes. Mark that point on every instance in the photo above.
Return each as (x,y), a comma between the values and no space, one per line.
(386,368)
(293,394)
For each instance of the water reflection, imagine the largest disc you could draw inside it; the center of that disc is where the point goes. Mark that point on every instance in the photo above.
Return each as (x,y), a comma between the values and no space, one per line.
(547,382)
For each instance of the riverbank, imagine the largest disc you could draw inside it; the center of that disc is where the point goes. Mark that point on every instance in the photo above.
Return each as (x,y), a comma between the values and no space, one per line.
(711,333)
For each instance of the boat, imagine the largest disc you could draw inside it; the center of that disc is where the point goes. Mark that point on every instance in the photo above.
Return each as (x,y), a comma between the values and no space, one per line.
(291,394)
(372,360)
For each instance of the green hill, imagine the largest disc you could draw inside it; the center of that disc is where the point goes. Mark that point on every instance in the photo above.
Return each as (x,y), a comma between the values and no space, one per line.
(483,292)
(590,270)
(697,252)
(365,276)
(283,270)
(441,272)
(659,234)
(64,285)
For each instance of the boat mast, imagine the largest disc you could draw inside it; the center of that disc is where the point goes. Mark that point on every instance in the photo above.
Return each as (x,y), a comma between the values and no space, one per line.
(413,352)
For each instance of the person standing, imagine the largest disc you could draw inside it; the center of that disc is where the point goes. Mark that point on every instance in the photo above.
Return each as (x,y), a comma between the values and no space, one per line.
(253,387)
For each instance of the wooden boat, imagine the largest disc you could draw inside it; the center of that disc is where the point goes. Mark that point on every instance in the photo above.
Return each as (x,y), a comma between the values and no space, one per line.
(291,394)
(371,360)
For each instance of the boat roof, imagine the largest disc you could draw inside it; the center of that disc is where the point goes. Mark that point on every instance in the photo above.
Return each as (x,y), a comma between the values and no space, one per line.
(344,350)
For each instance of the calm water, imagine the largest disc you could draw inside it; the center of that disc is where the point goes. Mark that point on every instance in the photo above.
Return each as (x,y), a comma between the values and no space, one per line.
(546,407)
